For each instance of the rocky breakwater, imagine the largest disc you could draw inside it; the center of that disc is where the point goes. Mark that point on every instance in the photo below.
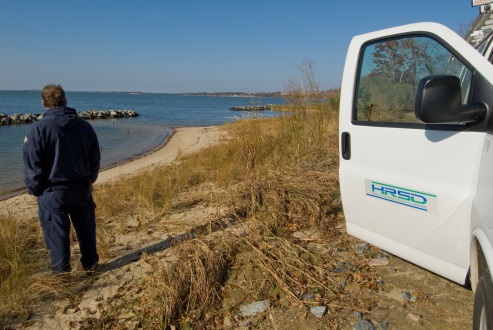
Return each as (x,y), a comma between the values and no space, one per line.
(90,114)
(265,107)
(104,114)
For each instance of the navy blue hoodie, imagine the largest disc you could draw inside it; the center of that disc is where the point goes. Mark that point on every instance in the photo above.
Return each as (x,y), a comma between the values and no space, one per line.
(60,148)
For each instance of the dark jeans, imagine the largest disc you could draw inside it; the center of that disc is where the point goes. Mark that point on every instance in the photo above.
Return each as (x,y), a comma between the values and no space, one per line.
(57,206)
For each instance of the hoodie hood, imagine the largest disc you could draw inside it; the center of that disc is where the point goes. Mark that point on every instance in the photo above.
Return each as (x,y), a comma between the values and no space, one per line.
(62,116)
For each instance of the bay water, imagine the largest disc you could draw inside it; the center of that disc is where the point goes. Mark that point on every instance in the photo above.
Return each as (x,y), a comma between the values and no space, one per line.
(121,139)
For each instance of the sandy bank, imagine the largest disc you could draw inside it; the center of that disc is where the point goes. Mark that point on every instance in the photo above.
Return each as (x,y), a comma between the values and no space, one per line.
(184,140)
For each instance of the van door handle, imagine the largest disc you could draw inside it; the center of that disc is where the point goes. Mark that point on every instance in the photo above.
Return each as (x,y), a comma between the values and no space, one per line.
(346,145)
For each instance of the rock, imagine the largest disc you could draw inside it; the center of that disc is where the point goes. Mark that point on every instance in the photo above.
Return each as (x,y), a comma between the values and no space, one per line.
(15,119)
(308,297)
(252,107)
(91,114)
(360,248)
(25,118)
(379,261)
(357,315)
(310,234)
(85,115)
(364,325)
(254,308)
(383,325)
(415,317)
(319,248)
(318,311)
(407,297)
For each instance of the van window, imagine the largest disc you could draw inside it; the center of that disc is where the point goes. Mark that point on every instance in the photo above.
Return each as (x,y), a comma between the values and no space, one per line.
(389,74)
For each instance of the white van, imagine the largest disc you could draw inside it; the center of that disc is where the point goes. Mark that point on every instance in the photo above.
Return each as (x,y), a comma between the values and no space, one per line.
(416,167)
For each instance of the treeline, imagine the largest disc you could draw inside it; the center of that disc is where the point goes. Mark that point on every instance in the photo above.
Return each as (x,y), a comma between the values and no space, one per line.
(261,94)
(235,94)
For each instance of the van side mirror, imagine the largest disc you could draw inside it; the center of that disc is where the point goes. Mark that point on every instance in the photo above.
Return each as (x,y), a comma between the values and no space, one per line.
(439,100)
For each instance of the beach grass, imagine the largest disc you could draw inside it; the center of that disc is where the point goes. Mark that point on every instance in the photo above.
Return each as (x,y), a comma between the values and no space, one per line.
(26,281)
(275,176)
(22,281)
(16,262)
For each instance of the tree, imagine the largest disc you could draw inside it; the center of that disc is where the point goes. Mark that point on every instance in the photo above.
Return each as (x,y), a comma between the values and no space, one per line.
(398,60)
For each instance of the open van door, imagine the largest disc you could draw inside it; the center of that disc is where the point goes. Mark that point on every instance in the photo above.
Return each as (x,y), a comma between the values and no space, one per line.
(413,129)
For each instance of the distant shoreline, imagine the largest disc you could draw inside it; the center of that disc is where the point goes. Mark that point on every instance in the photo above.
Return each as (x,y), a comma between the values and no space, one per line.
(219,94)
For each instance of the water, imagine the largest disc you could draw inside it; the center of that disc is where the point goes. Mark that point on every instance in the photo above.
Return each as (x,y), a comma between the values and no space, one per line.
(123,138)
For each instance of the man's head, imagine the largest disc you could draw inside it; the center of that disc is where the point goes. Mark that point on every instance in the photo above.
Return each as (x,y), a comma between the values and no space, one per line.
(53,96)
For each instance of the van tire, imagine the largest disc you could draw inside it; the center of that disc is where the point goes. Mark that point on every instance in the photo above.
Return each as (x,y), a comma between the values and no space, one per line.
(483,303)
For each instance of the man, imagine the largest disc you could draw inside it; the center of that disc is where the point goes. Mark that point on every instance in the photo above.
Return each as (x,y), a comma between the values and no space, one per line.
(61,161)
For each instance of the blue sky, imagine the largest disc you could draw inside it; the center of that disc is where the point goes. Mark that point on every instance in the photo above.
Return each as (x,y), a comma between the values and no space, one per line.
(194,46)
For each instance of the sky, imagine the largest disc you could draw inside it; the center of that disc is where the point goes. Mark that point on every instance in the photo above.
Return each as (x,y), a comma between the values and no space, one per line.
(179,46)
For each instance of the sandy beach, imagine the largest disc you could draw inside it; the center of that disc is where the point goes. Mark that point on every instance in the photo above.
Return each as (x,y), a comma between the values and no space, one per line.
(121,267)
(137,244)
(183,141)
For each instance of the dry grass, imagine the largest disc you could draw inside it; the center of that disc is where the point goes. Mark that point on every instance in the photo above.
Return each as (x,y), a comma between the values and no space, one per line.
(23,283)
(17,263)
(276,176)
(155,188)
(183,293)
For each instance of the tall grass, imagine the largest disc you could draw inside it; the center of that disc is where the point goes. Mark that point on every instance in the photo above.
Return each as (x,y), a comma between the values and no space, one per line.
(21,249)
(275,175)
(151,193)
(185,292)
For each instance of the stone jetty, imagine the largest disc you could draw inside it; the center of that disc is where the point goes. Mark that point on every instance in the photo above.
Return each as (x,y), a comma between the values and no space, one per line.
(252,107)
(90,114)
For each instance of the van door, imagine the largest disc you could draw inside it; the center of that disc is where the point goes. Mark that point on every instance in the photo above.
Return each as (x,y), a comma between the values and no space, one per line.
(408,187)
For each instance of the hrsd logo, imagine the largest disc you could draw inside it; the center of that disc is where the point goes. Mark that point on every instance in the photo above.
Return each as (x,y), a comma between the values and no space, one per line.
(407,197)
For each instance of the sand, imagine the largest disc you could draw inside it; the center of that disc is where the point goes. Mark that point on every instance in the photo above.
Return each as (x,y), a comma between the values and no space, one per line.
(440,303)
(121,266)
(183,141)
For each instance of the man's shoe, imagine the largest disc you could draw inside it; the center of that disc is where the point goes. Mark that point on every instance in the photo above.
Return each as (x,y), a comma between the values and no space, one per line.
(91,271)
